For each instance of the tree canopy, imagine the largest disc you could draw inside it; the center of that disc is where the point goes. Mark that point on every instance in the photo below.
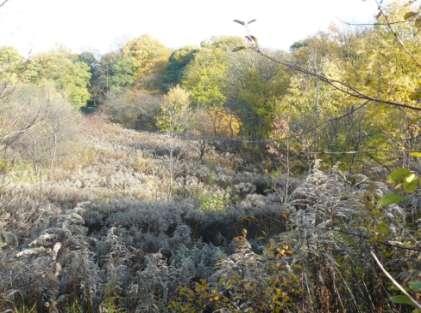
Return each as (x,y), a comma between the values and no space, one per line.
(68,74)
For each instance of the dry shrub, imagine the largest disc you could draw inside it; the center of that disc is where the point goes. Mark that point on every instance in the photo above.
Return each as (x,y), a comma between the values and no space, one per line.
(37,125)
(215,122)
(143,165)
(134,109)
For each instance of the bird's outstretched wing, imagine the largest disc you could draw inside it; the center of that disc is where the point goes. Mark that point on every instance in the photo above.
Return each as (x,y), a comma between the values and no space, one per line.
(240,22)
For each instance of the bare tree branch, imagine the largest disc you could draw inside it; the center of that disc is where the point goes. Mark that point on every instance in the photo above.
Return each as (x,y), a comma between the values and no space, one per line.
(395,34)
(374,24)
(324,124)
(338,85)
(380,265)
(385,243)
(10,138)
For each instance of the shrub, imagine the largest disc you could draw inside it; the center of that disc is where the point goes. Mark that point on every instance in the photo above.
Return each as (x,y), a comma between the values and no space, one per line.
(64,71)
(213,201)
(215,122)
(174,112)
(37,125)
(135,109)
(4,166)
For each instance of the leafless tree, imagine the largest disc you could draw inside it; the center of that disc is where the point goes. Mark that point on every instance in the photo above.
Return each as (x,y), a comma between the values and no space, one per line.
(35,127)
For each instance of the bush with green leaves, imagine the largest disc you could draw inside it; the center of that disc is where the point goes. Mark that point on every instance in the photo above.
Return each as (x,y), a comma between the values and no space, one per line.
(65,71)
(174,112)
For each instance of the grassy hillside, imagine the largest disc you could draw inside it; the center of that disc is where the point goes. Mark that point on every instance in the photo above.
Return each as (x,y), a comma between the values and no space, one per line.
(140,222)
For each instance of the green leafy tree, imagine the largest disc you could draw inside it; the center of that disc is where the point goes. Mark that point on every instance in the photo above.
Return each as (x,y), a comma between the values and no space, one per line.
(147,57)
(257,86)
(94,83)
(380,61)
(65,70)
(115,73)
(175,108)
(11,65)
(176,67)
(205,78)
(226,43)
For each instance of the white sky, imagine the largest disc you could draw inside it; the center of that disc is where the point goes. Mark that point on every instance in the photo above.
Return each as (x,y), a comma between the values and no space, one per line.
(102,25)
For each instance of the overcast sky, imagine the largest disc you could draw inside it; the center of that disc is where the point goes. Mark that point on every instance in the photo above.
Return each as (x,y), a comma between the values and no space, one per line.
(102,25)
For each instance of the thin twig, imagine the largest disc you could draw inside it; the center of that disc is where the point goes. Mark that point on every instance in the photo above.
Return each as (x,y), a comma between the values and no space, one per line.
(10,138)
(395,34)
(374,24)
(336,84)
(3,3)
(385,243)
(415,302)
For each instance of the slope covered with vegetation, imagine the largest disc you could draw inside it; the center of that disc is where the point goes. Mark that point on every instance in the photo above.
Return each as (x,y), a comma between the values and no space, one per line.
(219,178)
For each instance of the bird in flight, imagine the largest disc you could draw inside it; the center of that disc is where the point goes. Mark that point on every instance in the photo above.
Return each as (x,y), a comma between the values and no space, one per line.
(245,23)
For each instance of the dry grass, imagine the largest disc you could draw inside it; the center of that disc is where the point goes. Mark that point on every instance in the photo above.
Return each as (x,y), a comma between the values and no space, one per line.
(100,230)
